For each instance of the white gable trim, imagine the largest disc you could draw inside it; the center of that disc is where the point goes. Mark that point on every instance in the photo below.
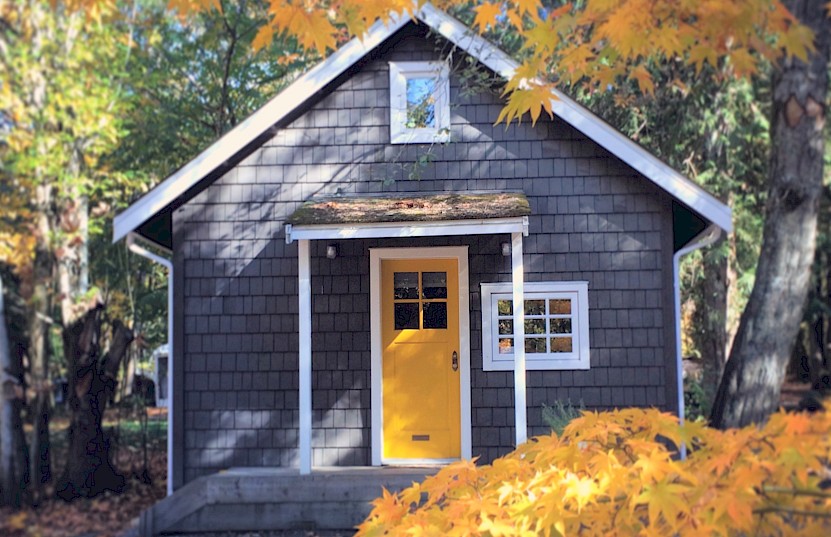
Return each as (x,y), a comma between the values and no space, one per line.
(325,72)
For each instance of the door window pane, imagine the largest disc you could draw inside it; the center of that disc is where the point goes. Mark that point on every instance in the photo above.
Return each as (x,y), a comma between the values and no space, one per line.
(434,284)
(406,315)
(435,315)
(406,285)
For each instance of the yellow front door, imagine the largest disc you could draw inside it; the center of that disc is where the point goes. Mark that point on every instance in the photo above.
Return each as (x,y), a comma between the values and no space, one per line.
(420,342)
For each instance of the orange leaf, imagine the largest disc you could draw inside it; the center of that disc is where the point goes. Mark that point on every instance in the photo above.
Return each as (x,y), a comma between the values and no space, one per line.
(644,79)
(486,15)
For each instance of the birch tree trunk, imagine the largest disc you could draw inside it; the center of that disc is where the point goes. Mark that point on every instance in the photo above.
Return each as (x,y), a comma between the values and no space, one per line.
(13,461)
(39,320)
(751,384)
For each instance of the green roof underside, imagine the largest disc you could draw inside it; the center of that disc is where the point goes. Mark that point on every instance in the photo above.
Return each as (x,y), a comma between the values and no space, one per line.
(410,208)
(687,225)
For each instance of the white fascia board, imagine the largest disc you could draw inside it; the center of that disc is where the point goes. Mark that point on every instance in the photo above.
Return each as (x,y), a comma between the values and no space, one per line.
(384,230)
(586,122)
(253,126)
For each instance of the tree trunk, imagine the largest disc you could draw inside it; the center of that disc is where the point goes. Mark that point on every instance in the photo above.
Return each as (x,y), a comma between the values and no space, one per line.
(752,381)
(89,470)
(13,454)
(710,318)
(39,321)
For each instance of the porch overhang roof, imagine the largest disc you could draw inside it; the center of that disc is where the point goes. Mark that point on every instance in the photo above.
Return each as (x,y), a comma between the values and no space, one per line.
(410,215)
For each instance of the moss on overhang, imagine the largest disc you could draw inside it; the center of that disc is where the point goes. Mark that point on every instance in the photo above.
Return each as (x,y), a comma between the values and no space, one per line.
(410,208)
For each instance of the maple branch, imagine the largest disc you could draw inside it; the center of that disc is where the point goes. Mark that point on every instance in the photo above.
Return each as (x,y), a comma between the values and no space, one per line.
(797,492)
(792,511)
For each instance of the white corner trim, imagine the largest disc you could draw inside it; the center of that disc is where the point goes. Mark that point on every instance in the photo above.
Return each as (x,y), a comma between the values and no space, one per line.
(376,255)
(488,226)
(305,87)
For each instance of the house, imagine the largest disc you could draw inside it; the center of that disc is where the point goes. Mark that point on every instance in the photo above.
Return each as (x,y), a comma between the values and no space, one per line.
(346,265)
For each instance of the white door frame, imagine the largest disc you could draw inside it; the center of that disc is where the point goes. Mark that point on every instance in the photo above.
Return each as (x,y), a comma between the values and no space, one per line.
(376,255)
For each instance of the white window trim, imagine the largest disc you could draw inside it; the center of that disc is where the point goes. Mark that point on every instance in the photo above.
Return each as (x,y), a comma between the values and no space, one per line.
(578,359)
(399,73)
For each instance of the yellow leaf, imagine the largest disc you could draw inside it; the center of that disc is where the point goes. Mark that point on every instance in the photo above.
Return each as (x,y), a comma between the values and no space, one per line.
(18,521)
(265,35)
(664,499)
(744,64)
(311,27)
(644,79)
(486,15)
(798,41)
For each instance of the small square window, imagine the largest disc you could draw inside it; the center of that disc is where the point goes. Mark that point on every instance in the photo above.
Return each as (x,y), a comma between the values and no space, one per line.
(419,102)
(556,327)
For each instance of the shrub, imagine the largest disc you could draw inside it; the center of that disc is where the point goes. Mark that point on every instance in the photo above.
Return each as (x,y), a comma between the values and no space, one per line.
(612,473)
(696,401)
(559,415)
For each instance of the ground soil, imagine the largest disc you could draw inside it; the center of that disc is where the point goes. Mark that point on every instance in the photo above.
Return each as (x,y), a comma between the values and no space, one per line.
(109,514)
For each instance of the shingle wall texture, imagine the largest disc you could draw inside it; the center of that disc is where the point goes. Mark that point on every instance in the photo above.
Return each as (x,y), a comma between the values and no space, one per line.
(594,219)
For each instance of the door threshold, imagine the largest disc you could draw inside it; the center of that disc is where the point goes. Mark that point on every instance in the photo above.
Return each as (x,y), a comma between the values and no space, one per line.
(418,463)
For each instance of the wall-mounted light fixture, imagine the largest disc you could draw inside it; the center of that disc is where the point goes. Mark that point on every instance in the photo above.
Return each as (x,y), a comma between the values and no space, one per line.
(506,249)
(331,251)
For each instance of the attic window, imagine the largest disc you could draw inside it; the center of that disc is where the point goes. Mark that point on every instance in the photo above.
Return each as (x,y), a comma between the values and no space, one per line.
(419,102)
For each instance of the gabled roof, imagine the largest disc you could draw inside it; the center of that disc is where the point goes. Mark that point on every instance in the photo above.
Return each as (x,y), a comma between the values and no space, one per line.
(315,80)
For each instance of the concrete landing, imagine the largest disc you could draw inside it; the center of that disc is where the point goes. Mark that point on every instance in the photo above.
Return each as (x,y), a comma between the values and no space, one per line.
(271,499)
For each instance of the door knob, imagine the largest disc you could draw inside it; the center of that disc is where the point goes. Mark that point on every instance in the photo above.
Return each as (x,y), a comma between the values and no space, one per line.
(455,362)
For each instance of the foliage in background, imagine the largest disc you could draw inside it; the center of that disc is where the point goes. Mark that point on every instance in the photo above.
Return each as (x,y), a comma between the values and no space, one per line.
(718,137)
(697,400)
(559,415)
(612,474)
(195,79)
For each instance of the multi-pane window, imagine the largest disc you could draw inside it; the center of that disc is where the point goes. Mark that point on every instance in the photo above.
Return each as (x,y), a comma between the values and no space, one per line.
(420,291)
(556,325)
(419,102)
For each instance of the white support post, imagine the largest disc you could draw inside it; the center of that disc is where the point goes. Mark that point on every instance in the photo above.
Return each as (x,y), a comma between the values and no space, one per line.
(518,280)
(304,293)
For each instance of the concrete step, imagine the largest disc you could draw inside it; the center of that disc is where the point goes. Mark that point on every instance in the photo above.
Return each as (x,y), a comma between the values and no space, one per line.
(275,499)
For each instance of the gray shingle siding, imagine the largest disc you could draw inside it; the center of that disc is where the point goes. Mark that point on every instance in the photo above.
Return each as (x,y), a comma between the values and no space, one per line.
(594,219)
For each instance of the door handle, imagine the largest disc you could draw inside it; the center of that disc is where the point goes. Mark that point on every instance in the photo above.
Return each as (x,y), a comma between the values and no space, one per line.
(455,362)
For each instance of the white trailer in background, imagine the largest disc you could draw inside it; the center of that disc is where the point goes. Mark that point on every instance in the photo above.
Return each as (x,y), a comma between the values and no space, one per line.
(160,357)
